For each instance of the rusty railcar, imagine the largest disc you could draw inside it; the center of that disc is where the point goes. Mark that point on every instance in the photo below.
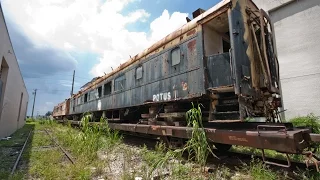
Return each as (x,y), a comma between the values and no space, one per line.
(61,110)
(223,58)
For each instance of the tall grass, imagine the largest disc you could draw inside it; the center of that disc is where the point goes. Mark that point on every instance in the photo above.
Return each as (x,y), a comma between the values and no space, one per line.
(260,171)
(197,146)
(90,139)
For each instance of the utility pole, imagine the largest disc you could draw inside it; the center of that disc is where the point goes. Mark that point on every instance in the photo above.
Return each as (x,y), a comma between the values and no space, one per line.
(34,100)
(72,83)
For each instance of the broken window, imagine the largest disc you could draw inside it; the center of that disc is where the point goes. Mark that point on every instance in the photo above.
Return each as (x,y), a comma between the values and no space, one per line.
(119,83)
(107,88)
(86,97)
(99,91)
(175,56)
(139,72)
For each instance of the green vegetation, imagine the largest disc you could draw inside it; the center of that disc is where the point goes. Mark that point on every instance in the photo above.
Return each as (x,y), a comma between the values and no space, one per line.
(99,152)
(9,150)
(260,171)
(309,121)
(198,146)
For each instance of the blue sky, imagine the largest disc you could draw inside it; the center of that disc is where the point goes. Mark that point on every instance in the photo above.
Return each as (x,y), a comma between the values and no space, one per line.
(52,38)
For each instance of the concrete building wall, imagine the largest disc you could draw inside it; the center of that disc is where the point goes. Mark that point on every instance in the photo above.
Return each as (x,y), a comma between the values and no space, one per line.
(14,96)
(297,33)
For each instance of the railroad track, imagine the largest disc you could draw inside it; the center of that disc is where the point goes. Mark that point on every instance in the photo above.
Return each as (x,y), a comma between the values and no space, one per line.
(68,156)
(21,152)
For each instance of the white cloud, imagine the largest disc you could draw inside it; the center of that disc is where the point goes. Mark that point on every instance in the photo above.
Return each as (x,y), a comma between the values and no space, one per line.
(90,25)
(165,24)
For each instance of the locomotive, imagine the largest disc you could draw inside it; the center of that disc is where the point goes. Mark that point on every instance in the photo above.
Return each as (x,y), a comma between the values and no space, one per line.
(225,59)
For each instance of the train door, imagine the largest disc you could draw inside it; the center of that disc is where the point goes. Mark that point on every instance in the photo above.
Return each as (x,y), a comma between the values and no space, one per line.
(216,42)
(240,63)
(253,61)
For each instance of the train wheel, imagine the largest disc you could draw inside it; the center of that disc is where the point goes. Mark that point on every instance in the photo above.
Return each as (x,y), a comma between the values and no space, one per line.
(222,147)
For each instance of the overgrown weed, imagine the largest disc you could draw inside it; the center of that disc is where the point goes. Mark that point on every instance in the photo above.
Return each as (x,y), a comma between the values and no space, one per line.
(197,146)
(309,121)
(260,171)
(91,138)
(307,174)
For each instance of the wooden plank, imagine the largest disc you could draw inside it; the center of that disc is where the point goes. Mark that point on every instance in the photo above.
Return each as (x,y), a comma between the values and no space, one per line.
(145,116)
(174,115)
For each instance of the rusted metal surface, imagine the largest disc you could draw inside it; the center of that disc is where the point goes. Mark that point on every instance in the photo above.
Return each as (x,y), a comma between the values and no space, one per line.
(291,142)
(61,109)
(275,163)
(219,70)
(315,137)
(164,80)
(161,81)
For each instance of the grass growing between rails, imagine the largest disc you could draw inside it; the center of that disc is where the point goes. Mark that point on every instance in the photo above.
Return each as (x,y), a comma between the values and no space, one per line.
(43,160)
(9,150)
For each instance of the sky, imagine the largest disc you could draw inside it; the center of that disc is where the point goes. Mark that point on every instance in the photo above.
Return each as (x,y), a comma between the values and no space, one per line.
(51,38)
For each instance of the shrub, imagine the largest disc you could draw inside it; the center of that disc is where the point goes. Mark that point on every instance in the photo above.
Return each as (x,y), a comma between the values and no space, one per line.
(310,121)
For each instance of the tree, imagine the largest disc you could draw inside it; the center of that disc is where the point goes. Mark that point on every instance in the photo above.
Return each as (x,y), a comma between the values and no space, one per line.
(48,113)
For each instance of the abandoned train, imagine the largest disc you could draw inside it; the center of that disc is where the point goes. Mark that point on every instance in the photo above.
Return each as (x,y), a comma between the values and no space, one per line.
(223,58)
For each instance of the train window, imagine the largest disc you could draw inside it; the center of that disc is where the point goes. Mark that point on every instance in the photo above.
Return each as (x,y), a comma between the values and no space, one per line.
(175,56)
(119,83)
(139,72)
(99,91)
(86,97)
(93,95)
(107,88)
(79,100)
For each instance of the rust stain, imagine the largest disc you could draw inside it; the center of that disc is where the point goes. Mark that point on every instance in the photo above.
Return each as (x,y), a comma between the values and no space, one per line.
(191,32)
(192,45)
(154,127)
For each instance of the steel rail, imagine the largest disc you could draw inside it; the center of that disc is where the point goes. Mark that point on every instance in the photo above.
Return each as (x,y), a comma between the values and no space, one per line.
(21,151)
(60,147)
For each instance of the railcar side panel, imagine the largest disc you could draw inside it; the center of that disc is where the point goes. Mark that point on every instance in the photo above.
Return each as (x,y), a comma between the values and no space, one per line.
(175,73)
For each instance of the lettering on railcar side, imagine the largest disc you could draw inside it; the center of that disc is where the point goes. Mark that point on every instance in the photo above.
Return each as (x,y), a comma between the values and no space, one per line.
(161,97)
(234,138)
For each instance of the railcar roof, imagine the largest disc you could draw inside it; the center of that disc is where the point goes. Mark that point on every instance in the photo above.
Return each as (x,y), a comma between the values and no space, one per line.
(183,29)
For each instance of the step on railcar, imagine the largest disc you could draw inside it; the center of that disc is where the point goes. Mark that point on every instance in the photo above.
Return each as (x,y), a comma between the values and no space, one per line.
(225,59)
